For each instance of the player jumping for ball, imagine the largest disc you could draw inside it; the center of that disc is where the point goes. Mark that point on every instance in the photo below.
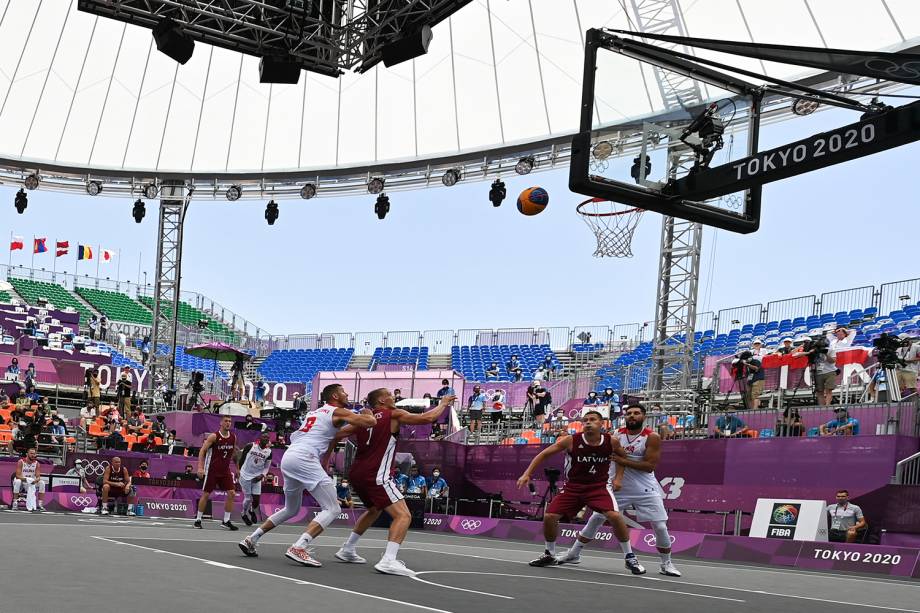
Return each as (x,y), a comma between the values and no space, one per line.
(302,469)
(633,479)
(371,476)
(586,469)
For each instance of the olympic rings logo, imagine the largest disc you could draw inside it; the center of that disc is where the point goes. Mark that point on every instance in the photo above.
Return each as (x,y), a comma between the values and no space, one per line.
(81,501)
(470,524)
(892,69)
(95,467)
(651,541)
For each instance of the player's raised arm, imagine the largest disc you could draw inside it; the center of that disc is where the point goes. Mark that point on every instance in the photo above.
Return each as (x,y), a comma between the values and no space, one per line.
(564,443)
(649,461)
(428,417)
(204,452)
(344,433)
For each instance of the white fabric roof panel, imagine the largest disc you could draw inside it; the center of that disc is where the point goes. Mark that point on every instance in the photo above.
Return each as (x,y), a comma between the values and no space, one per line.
(86,91)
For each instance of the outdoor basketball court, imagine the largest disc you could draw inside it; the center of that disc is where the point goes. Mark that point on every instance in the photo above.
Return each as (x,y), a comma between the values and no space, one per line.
(55,562)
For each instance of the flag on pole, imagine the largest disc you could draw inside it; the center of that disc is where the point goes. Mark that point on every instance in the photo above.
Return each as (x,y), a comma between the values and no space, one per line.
(16,243)
(38,245)
(84,252)
(107,255)
(63,248)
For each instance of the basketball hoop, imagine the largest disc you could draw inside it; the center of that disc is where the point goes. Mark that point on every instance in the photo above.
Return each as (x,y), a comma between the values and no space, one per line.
(613,225)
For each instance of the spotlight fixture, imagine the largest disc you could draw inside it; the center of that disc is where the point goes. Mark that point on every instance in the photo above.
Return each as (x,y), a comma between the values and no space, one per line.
(524,165)
(32,181)
(804,106)
(497,192)
(375,186)
(308,191)
(382,207)
(94,188)
(172,42)
(151,191)
(21,201)
(602,150)
(450,178)
(271,212)
(234,192)
(138,211)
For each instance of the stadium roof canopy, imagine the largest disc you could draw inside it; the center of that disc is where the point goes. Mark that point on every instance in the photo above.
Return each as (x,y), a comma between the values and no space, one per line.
(81,93)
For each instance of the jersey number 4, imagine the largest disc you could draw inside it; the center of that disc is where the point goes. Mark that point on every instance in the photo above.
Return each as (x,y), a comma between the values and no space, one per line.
(593,469)
(308,424)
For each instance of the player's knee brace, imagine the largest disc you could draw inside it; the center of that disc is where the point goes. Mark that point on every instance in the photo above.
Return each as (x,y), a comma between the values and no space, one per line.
(662,536)
(325,517)
(17,485)
(594,523)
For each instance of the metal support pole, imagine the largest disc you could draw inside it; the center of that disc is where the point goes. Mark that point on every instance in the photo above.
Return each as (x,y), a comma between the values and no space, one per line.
(174,199)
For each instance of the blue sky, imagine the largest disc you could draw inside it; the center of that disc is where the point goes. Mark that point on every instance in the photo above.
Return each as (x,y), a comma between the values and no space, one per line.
(446,259)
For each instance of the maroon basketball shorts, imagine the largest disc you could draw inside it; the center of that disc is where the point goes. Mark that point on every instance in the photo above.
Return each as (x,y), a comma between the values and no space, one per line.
(373,494)
(575,496)
(218,481)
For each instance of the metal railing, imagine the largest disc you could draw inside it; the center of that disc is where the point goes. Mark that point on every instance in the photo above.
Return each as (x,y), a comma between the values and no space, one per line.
(907,471)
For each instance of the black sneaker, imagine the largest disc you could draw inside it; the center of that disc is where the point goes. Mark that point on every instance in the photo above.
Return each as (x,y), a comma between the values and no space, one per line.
(633,566)
(246,519)
(545,560)
(198,523)
(228,525)
(253,516)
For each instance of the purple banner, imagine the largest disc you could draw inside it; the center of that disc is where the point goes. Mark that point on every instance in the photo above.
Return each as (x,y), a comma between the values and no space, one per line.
(896,561)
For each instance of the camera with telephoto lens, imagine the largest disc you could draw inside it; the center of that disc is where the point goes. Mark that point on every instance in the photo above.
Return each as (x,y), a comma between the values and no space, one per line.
(740,364)
(887,346)
(815,346)
(197,382)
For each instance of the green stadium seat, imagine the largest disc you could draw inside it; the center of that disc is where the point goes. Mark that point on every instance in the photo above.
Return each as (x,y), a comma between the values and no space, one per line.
(116,306)
(31,291)
(190,316)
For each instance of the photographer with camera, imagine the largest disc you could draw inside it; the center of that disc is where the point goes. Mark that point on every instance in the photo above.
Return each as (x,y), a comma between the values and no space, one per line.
(909,352)
(897,363)
(822,362)
(748,375)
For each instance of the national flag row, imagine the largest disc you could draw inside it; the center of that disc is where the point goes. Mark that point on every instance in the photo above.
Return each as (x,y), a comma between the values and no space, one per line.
(40,245)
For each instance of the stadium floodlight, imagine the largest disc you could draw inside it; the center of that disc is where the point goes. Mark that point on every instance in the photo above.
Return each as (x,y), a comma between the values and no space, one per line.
(21,201)
(31,182)
(497,192)
(151,191)
(450,178)
(804,106)
(308,191)
(375,186)
(139,211)
(172,42)
(525,165)
(234,192)
(382,207)
(94,188)
(271,212)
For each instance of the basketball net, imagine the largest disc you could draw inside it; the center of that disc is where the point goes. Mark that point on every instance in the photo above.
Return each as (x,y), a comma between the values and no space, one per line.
(613,225)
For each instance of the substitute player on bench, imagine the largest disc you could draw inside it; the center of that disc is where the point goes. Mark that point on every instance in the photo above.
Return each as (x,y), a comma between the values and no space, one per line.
(586,469)
(633,479)
(371,476)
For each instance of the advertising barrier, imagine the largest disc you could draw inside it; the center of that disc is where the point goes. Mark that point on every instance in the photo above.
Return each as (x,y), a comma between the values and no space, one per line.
(796,520)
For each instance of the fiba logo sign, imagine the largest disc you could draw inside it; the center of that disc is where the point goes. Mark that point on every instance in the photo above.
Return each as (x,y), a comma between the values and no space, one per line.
(783,519)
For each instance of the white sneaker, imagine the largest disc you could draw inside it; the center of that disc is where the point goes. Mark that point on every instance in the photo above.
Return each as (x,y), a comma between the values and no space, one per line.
(569,557)
(248,548)
(302,556)
(105,511)
(351,557)
(669,569)
(633,565)
(393,567)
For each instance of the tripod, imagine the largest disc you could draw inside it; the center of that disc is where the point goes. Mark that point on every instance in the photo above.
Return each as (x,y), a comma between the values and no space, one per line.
(740,381)
(886,374)
(814,373)
(548,494)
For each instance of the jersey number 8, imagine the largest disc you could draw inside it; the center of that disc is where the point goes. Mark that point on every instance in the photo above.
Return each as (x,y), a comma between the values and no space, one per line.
(308,424)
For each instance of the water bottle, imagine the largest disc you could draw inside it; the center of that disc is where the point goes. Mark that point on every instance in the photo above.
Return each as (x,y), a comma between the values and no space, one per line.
(139,510)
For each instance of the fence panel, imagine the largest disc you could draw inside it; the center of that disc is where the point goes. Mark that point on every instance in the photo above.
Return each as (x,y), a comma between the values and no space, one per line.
(514,336)
(647,331)
(403,338)
(735,317)
(705,321)
(303,341)
(890,295)
(367,342)
(847,299)
(557,337)
(591,334)
(485,337)
(624,336)
(438,341)
(336,340)
(790,308)
(468,337)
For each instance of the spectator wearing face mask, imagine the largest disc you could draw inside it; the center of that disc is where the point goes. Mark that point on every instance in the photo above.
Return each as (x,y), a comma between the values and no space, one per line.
(142,471)
(492,373)
(343,493)
(437,485)
(591,400)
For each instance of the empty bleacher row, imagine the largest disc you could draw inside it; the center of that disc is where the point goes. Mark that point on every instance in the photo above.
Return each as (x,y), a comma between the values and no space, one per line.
(474,361)
(34,291)
(116,306)
(190,316)
(301,365)
(416,357)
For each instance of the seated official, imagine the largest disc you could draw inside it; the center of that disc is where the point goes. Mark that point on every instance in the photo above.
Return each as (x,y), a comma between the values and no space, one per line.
(846,519)
(791,424)
(729,425)
(843,425)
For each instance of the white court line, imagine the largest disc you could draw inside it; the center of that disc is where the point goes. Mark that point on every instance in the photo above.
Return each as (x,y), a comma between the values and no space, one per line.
(259,572)
(543,578)
(451,587)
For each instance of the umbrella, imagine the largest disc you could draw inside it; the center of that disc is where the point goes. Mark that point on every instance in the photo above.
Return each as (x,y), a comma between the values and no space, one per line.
(217,351)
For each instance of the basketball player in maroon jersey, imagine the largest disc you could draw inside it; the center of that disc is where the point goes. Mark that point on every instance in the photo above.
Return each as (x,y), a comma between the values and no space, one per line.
(371,477)
(586,468)
(218,450)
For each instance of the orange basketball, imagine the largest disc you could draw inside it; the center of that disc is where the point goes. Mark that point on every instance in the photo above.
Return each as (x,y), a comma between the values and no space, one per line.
(532,200)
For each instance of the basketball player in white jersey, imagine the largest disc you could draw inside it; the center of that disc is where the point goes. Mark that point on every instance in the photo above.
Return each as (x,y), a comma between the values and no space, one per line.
(29,473)
(254,462)
(633,479)
(302,469)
